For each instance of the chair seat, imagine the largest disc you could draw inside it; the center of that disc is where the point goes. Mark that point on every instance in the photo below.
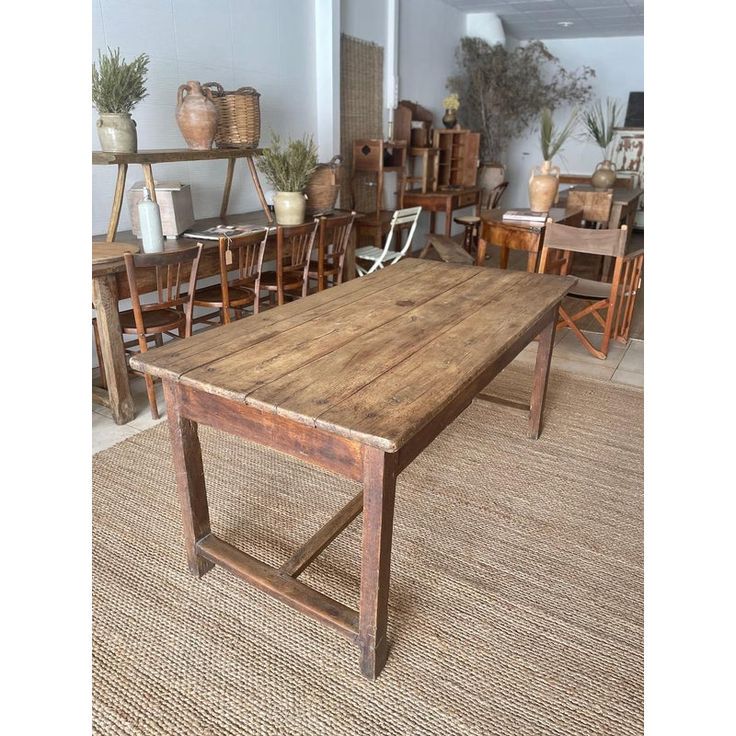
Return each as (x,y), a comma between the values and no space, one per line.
(589,289)
(212,295)
(467,220)
(158,320)
(292,279)
(371,253)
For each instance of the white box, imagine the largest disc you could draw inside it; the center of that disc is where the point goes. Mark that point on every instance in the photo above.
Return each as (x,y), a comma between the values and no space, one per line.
(174,201)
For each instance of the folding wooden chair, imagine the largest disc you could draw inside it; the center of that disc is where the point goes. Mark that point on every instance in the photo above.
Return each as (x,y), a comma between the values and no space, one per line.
(610,304)
(375,258)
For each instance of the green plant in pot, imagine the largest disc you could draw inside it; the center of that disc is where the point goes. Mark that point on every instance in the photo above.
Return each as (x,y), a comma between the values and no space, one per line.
(117,87)
(600,126)
(545,179)
(288,168)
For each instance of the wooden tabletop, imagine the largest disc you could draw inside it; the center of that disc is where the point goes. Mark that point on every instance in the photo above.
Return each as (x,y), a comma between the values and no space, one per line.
(163,155)
(558,214)
(374,359)
(106,252)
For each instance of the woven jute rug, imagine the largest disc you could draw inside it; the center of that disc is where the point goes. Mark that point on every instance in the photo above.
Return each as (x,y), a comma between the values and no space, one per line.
(516,590)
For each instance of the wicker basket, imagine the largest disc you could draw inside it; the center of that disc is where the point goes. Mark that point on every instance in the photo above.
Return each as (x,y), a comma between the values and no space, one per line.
(238,116)
(324,186)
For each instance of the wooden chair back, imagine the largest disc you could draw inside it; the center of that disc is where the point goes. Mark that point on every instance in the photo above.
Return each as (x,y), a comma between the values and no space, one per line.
(402,218)
(368,155)
(294,245)
(596,206)
(581,240)
(241,259)
(494,196)
(170,270)
(334,236)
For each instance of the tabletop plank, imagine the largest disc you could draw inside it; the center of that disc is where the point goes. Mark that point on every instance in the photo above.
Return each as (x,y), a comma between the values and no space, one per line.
(181,356)
(420,387)
(373,359)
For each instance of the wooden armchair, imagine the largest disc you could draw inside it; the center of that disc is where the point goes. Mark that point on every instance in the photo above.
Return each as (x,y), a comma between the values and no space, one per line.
(332,244)
(241,260)
(294,245)
(611,304)
(164,274)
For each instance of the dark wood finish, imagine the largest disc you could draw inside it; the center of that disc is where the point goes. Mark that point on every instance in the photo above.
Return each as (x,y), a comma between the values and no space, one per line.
(147,158)
(294,244)
(494,230)
(541,374)
(172,307)
(287,379)
(458,158)
(109,252)
(241,262)
(446,201)
(332,246)
(596,205)
(615,300)
(622,182)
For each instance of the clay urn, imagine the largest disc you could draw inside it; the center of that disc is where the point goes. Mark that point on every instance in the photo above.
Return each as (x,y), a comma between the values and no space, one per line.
(196,115)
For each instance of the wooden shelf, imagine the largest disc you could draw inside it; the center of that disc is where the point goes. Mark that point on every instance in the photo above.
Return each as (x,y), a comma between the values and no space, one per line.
(168,155)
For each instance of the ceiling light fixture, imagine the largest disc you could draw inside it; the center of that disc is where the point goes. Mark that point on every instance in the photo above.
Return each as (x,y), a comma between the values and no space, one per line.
(565,23)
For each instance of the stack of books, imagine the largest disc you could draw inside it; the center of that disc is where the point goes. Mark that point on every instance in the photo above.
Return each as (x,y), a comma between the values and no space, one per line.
(219,231)
(524,216)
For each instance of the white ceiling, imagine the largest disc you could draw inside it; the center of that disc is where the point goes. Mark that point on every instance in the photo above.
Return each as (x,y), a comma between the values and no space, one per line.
(527,19)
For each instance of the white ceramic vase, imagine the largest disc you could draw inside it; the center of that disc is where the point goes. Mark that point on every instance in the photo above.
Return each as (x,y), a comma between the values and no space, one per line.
(117,132)
(289,207)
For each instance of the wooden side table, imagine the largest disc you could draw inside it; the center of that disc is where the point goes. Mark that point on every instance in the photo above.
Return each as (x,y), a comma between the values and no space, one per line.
(444,200)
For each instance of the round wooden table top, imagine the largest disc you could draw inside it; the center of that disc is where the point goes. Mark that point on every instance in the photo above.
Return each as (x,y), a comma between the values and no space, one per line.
(103,251)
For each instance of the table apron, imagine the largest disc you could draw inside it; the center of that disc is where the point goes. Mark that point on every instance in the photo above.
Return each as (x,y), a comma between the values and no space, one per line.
(414,447)
(312,445)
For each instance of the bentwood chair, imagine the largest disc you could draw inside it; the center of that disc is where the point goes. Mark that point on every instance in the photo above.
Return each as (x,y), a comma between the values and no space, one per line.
(241,260)
(164,274)
(332,244)
(610,304)
(471,223)
(294,244)
(369,258)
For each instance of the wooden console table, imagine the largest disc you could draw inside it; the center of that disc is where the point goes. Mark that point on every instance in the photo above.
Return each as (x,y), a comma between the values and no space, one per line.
(169,155)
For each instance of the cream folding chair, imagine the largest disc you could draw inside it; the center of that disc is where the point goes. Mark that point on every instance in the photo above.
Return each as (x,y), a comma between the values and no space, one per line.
(375,258)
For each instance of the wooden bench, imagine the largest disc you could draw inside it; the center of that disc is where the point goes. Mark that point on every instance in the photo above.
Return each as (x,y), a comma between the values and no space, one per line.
(448,250)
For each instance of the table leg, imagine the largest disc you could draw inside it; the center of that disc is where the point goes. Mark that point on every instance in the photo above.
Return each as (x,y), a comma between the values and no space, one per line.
(432,221)
(117,203)
(259,189)
(448,219)
(480,253)
(541,374)
(228,187)
(150,183)
(503,258)
(379,486)
(187,456)
(349,267)
(105,299)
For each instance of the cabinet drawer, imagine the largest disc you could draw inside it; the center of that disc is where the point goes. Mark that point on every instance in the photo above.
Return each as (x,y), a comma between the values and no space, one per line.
(467,199)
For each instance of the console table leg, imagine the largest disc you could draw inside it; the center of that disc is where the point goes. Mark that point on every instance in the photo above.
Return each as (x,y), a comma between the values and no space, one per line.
(259,189)
(148,175)
(379,486)
(117,203)
(228,186)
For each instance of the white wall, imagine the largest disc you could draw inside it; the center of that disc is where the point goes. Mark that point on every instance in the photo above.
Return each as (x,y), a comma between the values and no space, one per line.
(266,44)
(619,67)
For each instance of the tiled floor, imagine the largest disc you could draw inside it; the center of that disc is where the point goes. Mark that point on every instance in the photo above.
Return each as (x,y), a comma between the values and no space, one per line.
(625,364)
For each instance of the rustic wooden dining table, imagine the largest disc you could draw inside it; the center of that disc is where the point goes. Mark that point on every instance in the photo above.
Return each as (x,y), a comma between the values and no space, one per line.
(357,379)
(110,285)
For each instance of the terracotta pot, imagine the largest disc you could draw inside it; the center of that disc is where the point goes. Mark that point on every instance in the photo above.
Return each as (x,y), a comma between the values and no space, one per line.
(604,176)
(196,116)
(117,133)
(449,118)
(289,207)
(543,184)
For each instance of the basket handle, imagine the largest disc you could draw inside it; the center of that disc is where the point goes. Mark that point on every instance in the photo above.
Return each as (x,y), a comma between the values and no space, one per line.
(218,91)
(248,90)
(335,160)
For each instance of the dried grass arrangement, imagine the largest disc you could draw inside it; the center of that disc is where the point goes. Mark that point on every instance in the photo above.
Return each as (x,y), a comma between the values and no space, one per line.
(504,91)
(289,168)
(600,124)
(117,87)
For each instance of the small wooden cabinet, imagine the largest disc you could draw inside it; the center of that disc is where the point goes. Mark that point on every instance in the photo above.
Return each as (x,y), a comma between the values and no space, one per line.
(458,157)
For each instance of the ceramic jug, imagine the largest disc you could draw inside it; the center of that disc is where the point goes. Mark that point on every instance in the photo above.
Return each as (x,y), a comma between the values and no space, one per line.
(543,184)
(604,176)
(196,116)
